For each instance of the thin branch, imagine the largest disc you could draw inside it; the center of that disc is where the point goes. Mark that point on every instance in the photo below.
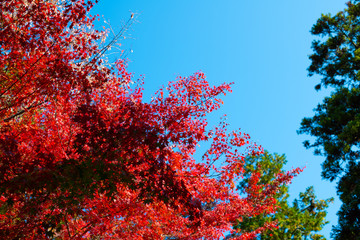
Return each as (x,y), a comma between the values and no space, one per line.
(346,35)
(22,111)
(127,25)
(27,70)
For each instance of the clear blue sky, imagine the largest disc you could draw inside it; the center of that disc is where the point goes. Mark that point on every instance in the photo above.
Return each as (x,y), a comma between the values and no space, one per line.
(262,46)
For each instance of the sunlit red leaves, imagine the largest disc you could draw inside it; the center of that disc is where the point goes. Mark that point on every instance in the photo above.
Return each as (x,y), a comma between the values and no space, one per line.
(82,155)
(42,56)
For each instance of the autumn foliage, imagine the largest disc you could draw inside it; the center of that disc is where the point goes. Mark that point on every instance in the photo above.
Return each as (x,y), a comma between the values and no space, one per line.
(83,156)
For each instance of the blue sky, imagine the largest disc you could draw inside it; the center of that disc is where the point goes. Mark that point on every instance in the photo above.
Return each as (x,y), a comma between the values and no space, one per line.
(262,46)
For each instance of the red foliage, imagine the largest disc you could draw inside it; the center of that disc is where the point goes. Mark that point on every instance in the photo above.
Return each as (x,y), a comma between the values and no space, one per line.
(82,155)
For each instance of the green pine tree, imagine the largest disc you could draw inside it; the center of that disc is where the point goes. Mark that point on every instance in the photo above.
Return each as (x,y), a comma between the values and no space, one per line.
(336,123)
(300,220)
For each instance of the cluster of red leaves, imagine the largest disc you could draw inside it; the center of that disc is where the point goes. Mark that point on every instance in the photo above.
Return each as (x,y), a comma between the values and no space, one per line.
(83,156)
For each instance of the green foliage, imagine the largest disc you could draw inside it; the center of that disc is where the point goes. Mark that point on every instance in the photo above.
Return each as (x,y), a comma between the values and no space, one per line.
(336,123)
(336,126)
(302,219)
(348,190)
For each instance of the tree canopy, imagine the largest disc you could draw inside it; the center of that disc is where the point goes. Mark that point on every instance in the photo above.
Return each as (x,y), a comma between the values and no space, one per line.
(83,156)
(304,218)
(336,123)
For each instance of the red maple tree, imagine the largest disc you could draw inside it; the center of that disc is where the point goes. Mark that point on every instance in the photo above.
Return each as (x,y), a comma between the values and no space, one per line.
(83,156)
